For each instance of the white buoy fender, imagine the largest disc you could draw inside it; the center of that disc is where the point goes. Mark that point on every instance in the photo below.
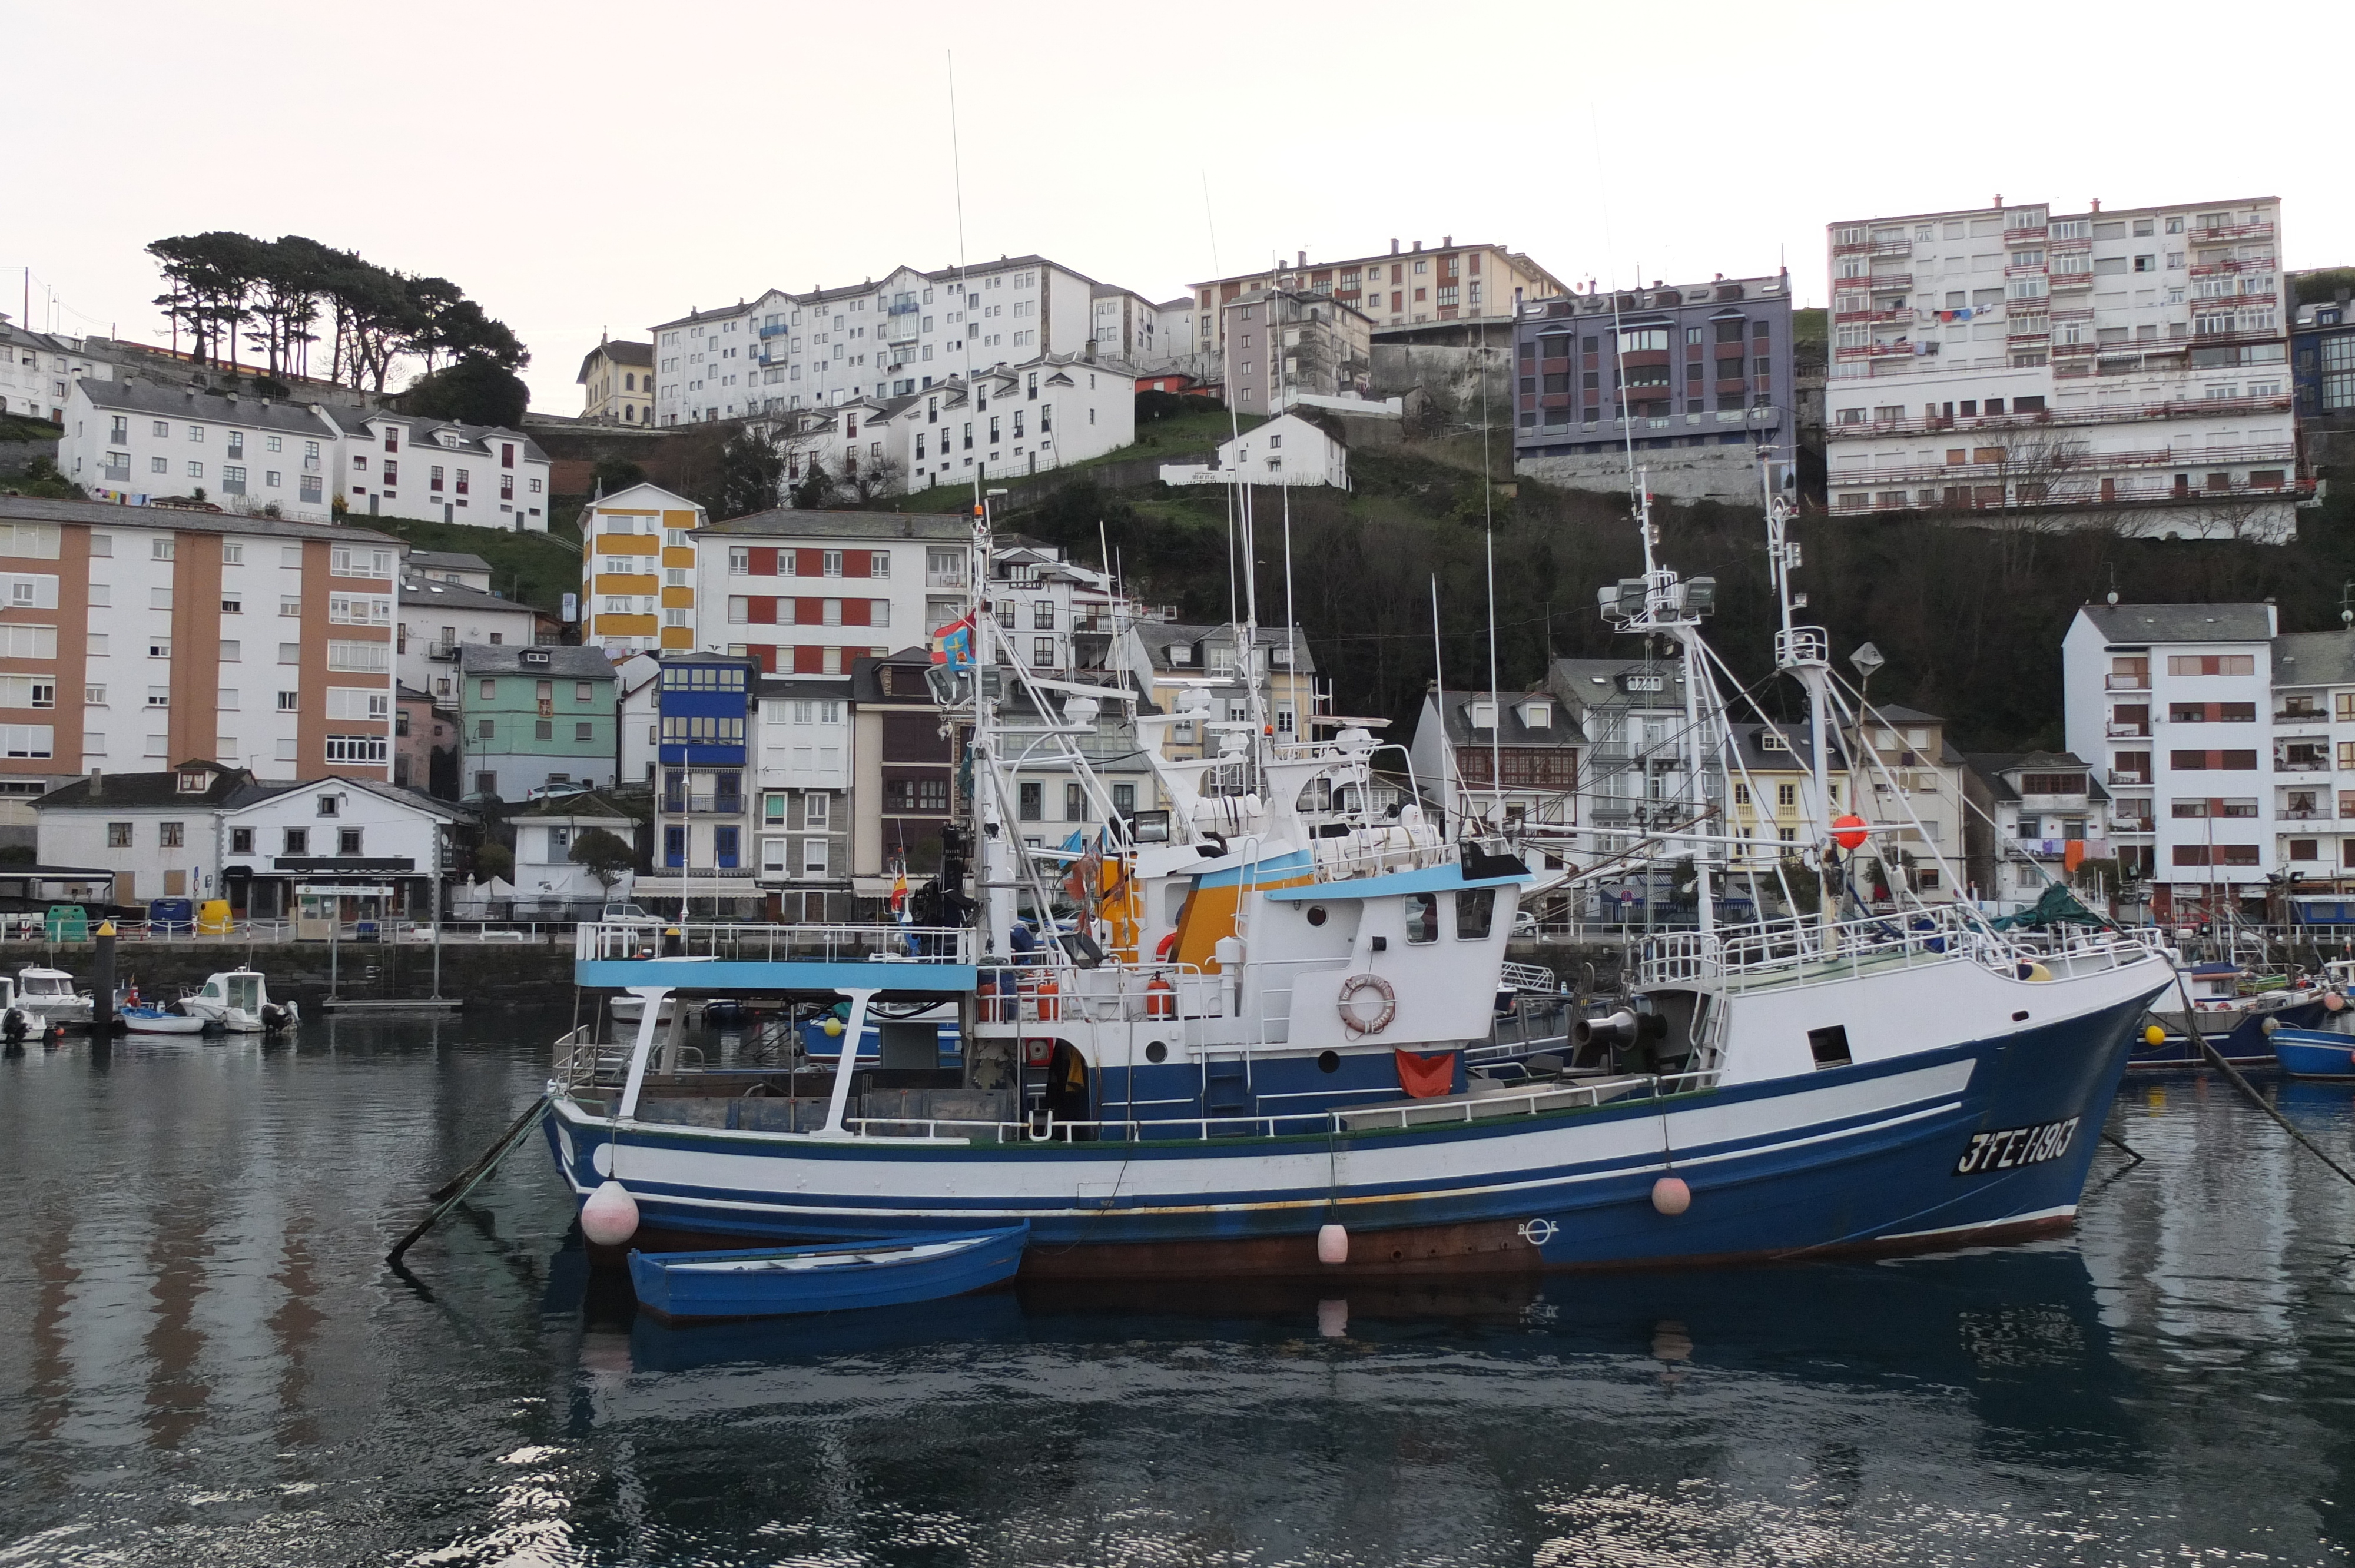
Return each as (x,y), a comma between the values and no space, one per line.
(1332,1244)
(610,1217)
(1670,1195)
(2332,1002)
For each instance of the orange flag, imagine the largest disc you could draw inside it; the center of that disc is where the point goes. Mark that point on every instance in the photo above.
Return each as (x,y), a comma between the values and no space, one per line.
(1422,1078)
(2072,855)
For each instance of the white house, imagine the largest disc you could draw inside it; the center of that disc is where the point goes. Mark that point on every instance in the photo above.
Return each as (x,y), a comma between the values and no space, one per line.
(1020,419)
(545,831)
(38,371)
(802,769)
(2048,814)
(482,475)
(439,618)
(335,833)
(159,833)
(1286,450)
(133,439)
(808,592)
(2170,703)
(1533,744)
(637,682)
(885,338)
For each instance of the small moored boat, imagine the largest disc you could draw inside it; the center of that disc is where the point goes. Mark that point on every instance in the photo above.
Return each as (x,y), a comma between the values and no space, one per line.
(160,1021)
(239,1001)
(2315,1053)
(49,998)
(773,1282)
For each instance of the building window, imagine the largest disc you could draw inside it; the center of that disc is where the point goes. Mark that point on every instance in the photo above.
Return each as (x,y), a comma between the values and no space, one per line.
(118,835)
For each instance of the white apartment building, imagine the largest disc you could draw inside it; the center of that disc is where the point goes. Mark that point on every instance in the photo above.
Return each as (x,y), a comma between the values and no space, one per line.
(807,593)
(1286,450)
(482,475)
(1019,419)
(802,770)
(2128,367)
(38,371)
(134,439)
(881,339)
(1124,325)
(2171,706)
(140,638)
(2314,759)
(439,618)
(2048,815)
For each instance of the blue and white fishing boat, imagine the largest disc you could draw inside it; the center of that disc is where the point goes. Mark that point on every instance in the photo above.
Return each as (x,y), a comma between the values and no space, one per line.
(1249,1054)
(775,1282)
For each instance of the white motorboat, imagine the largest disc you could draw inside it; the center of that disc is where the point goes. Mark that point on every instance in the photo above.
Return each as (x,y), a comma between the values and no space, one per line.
(239,1001)
(49,997)
(628,1009)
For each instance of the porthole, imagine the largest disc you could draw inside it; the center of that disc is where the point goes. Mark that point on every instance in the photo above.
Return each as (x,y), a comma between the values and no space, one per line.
(1328,1061)
(1157,1053)
(1316,914)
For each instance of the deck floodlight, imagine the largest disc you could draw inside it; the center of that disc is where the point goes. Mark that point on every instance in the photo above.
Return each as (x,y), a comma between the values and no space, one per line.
(1700,595)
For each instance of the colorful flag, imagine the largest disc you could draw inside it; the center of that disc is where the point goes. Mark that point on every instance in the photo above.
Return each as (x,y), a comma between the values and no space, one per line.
(952,643)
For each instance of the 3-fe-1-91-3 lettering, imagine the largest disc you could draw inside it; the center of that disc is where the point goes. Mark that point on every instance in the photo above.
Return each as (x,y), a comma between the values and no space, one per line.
(2011,1146)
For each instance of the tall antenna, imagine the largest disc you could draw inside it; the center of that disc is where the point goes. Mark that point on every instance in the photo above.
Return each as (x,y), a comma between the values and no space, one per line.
(1439,701)
(1496,693)
(964,305)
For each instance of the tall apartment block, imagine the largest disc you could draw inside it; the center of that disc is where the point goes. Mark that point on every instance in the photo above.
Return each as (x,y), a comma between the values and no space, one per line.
(1448,295)
(2126,367)
(1703,373)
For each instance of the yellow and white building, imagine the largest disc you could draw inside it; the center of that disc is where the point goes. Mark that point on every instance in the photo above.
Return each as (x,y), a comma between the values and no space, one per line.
(637,570)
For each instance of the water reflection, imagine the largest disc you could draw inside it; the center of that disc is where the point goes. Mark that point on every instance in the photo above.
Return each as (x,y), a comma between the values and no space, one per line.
(211,1362)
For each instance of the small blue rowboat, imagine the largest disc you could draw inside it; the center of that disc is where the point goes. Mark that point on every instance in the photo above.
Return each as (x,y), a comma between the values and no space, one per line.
(2315,1053)
(773,1282)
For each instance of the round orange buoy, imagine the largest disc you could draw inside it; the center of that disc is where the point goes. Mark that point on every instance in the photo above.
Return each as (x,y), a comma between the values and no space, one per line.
(610,1217)
(1332,1244)
(2332,1002)
(1849,832)
(1671,1196)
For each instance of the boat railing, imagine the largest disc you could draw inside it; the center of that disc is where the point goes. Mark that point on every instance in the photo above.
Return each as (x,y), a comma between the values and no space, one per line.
(884,943)
(1528,977)
(1346,859)
(1048,1128)
(1792,951)
(1131,992)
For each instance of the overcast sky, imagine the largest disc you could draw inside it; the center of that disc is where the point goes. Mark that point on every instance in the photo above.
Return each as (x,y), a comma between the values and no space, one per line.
(592,166)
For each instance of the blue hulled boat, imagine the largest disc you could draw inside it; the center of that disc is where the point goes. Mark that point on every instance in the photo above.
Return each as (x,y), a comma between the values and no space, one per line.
(2315,1053)
(1262,1042)
(774,1282)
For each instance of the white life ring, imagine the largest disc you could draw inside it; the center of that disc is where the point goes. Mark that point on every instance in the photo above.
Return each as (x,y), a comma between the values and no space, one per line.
(1359,1022)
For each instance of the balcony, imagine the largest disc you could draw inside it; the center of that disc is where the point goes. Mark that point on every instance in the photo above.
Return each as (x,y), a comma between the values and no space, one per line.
(2119,825)
(2305,814)
(2128,682)
(1888,282)
(2300,715)
(2071,280)
(446,652)
(2302,764)
(2120,776)
(2128,731)
(2259,230)
(2030,235)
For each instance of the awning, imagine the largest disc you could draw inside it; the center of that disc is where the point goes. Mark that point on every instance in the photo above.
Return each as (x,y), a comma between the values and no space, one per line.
(339,890)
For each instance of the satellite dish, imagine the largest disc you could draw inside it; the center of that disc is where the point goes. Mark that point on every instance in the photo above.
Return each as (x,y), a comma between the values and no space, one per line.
(1866,659)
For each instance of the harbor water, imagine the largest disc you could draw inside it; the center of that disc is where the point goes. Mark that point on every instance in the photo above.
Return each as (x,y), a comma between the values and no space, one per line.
(207,1360)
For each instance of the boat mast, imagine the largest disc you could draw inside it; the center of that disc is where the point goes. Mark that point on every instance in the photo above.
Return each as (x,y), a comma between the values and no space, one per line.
(1803,652)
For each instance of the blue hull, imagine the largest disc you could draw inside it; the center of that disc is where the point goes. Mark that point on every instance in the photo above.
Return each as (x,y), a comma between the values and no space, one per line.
(1992,1137)
(2244,1045)
(684,1287)
(2315,1054)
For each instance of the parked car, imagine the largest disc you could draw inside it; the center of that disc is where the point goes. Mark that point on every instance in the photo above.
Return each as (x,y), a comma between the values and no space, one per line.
(629,914)
(556,791)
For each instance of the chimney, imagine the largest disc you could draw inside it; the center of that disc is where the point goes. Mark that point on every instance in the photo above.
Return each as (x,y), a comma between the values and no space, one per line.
(1394,247)
(98,783)
(1999,201)
(1418,245)
(1447,242)
(2097,204)
(1304,259)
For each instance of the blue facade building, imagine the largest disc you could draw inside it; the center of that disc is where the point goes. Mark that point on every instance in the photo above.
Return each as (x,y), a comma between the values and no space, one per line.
(1697,378)
(704,704)
(2322,358)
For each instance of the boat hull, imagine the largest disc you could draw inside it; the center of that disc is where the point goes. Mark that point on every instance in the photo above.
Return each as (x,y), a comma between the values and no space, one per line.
(2239,1037)
(684,1287)
(2315,1054)
(1976,1140)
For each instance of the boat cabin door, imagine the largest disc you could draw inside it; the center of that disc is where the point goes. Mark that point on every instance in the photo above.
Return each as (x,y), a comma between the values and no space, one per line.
(245,992)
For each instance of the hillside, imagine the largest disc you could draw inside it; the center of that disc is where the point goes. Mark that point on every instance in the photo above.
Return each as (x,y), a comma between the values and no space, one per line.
(536,569)
(1970,619)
